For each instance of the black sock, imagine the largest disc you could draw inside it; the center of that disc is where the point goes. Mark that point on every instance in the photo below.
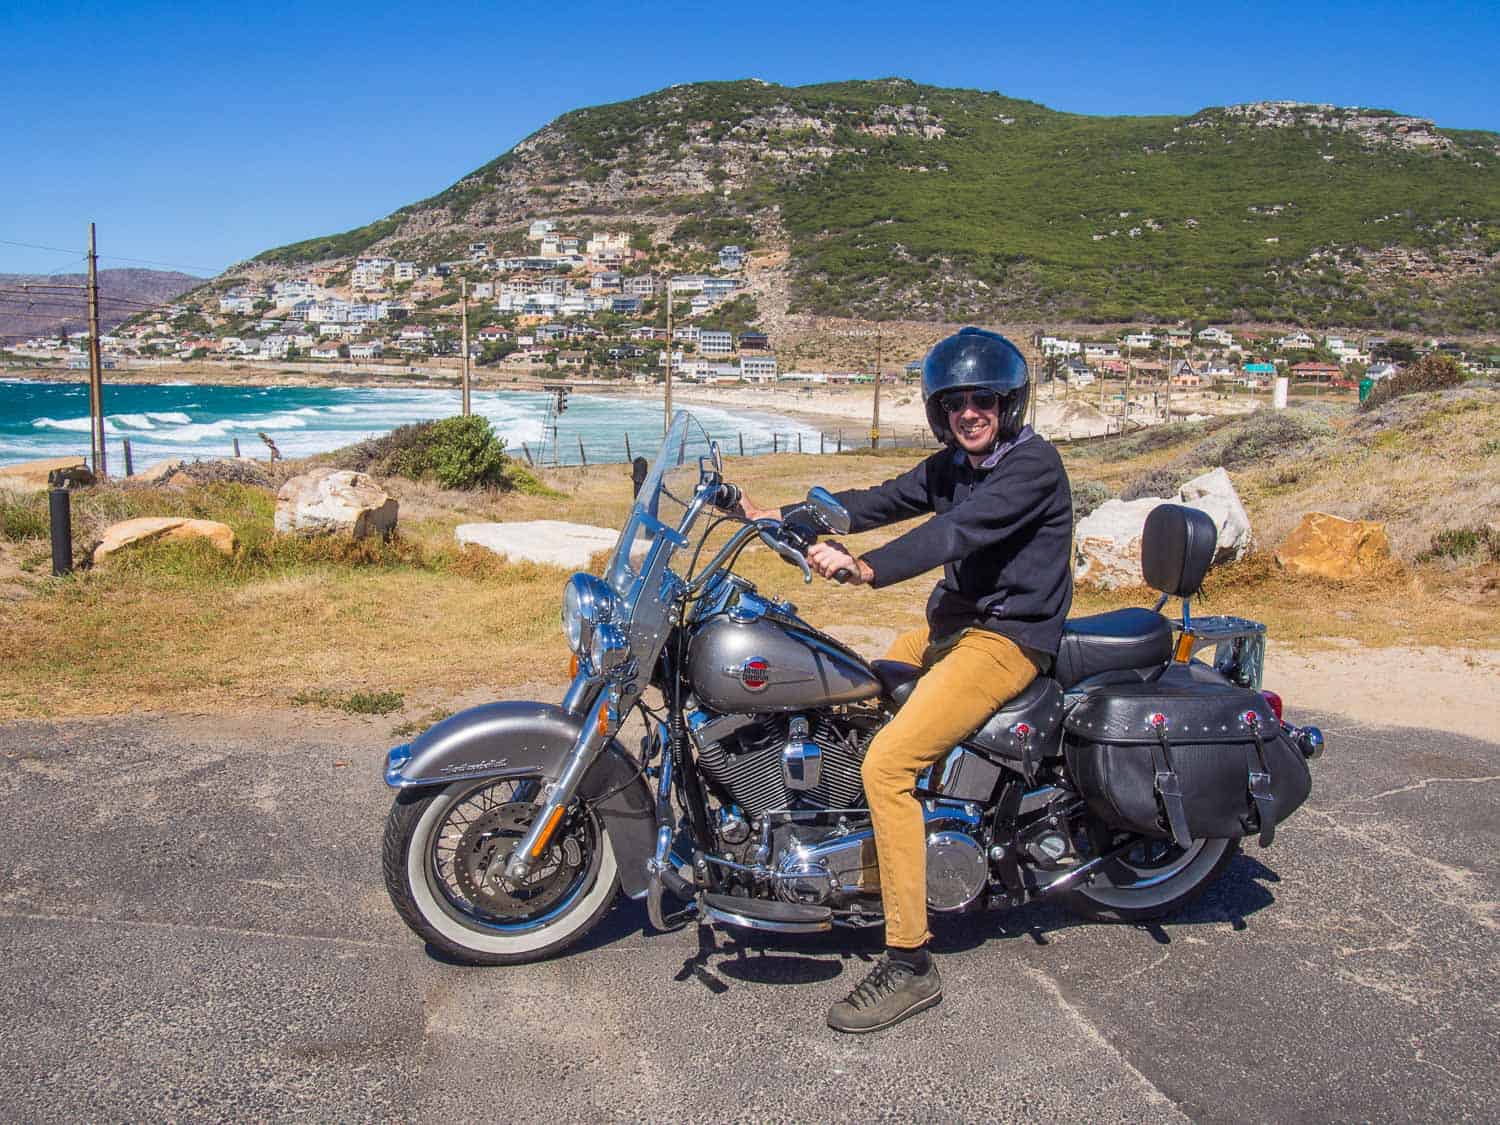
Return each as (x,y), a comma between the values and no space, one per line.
(918,959)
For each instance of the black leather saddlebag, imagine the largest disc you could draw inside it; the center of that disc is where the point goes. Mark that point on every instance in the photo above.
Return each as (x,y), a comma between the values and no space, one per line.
(1184,759)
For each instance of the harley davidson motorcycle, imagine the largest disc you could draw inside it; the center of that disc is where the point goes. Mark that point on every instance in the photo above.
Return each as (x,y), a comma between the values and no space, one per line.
(1119,785)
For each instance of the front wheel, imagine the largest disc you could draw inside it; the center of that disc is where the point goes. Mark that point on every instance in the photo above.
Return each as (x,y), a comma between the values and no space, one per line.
(1153,879)
(444,855)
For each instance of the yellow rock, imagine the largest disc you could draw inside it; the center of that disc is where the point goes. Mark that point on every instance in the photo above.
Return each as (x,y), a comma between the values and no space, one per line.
(31,476)
(152,529)
(1331,547)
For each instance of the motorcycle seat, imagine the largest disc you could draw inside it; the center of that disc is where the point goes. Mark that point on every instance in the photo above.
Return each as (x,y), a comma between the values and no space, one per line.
(1107,642)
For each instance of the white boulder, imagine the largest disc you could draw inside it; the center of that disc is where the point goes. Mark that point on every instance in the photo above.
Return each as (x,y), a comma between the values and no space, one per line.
(1107,543)
(327,501)
(555,542)
(31,476)
(1214,493)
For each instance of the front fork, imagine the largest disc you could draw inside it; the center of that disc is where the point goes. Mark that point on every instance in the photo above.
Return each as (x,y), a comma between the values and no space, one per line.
(599,703)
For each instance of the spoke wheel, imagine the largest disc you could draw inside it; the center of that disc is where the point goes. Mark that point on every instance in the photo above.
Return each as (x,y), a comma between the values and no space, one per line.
(1152,879)
(445,856)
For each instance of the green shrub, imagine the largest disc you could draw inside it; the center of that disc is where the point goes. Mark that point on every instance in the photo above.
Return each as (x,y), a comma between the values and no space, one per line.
(455,452)
(1435,372)
(1460,543)
(1261,436)
(355,703)
(24,517)
(1087,496)
(1161,482)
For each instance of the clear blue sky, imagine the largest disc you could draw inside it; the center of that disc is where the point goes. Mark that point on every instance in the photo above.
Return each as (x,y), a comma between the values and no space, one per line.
(199,134)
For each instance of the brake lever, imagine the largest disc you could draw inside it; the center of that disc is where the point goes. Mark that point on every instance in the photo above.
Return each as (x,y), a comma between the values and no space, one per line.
(789,553)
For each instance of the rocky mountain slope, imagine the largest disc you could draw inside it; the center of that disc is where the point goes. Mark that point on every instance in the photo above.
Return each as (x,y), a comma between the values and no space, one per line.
(122,294)
(886,198)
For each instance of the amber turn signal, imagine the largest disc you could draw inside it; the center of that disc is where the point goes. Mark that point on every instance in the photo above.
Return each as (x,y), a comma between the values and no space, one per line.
(573,666)
(545,838)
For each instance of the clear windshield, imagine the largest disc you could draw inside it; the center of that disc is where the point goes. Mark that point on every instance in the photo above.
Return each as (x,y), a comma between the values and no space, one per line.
(664,498)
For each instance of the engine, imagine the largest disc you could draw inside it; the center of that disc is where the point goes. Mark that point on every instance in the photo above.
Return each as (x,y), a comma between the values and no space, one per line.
(764,762)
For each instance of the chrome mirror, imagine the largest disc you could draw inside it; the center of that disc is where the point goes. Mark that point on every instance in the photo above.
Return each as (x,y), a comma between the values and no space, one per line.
(831,514)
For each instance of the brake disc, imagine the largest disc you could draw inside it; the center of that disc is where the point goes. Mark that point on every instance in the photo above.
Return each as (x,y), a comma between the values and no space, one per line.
(496,833)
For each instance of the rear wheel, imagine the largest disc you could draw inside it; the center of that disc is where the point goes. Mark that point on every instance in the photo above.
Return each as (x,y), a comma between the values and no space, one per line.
(444,856)
(1151,880)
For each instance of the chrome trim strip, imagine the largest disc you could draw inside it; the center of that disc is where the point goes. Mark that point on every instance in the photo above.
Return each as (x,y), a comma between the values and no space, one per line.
(728,919)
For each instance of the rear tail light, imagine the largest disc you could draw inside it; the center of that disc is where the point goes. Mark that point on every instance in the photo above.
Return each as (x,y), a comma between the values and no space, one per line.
(1275,701)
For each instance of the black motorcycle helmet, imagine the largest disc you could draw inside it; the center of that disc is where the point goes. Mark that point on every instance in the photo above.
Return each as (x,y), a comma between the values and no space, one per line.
(973,360)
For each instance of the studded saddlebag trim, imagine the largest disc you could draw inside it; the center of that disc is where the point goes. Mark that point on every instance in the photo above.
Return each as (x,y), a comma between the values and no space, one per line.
(1184,760)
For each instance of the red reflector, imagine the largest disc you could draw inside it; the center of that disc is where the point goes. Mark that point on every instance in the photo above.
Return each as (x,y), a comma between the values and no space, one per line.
(1275,701)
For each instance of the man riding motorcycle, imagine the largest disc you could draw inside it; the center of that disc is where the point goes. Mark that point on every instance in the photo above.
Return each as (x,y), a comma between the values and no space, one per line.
(1001,529)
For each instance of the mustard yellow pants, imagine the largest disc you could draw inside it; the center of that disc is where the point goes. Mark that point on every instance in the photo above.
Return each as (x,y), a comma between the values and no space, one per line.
(966,680)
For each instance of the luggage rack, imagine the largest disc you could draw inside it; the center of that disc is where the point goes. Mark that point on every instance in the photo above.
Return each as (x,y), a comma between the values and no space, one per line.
(1239,646)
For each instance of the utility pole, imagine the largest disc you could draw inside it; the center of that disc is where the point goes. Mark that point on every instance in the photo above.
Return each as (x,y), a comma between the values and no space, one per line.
(1167,417)
(463,296)
(1129,386)
(1036,387)
(666,420)
(96,369)
(875,417)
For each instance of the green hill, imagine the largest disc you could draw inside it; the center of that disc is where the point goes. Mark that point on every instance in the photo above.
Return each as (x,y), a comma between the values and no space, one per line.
(898,199)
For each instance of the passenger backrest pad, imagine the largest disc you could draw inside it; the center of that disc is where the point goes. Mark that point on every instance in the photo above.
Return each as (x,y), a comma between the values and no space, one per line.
(1177,546)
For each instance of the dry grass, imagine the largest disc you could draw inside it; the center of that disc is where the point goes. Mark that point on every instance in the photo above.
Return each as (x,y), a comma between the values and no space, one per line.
(176,627)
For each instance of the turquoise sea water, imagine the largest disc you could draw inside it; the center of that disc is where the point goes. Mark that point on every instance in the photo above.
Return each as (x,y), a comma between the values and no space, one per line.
(194,420)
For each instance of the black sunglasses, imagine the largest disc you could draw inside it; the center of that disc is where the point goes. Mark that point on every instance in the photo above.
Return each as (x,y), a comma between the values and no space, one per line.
(955,401)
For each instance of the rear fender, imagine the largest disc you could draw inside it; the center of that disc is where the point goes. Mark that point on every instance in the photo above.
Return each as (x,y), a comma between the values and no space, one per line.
(519,739)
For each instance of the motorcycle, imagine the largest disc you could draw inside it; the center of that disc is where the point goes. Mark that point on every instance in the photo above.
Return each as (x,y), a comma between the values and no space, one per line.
(1119,785)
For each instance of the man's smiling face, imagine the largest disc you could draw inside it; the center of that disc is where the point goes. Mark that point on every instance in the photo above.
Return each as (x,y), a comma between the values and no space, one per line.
(975,426)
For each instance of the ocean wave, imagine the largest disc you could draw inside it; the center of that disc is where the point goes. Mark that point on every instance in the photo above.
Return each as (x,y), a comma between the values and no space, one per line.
(72,425)
(174,417)
(134,421)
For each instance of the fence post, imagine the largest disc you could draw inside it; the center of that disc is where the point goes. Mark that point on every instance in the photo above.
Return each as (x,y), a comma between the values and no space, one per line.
(742,443)
(236,448)
(841,442)
(60,512)
(799,441)
(129,464)
(527,451)
(774,438)
(628,455)
(583,458)
(821,436)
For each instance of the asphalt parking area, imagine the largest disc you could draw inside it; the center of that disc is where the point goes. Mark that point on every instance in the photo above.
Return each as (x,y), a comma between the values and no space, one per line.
(193,924)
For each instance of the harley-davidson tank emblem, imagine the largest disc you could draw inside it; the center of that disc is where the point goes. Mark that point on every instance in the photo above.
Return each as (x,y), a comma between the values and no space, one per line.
(754,673)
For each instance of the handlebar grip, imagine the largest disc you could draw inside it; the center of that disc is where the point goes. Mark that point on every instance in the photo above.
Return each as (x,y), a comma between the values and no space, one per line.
(842,575)
(728,496)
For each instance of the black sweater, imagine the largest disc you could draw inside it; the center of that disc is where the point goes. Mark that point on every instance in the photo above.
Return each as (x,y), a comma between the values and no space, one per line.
(1003,537)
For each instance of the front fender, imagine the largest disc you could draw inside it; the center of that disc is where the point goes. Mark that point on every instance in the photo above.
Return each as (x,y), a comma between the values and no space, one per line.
(516,739)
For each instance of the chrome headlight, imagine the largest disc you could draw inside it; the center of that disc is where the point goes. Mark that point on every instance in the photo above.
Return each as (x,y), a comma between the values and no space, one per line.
(587,603)
(608,649)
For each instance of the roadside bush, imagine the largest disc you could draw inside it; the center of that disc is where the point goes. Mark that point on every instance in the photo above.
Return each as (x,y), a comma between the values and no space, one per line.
(1459,544)
(24,517)
(1161,482)
(1087,496)
(1433,372)
(455,452)
(1261,436)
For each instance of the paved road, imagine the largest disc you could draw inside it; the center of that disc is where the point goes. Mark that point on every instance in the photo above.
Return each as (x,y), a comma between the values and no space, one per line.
(192,924)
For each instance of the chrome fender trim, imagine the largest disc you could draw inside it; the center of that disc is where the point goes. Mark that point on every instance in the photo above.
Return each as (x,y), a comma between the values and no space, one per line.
(510,739)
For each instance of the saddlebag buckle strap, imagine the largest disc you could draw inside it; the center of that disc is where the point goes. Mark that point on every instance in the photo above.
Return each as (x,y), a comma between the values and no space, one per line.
(1030,758)
(1260,785)
(1168,784)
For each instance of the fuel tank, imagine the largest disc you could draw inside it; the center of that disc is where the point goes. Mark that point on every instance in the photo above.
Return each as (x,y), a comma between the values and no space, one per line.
(757,661)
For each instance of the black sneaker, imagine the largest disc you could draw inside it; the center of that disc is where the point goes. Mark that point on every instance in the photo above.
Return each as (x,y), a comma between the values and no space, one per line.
(891,992)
